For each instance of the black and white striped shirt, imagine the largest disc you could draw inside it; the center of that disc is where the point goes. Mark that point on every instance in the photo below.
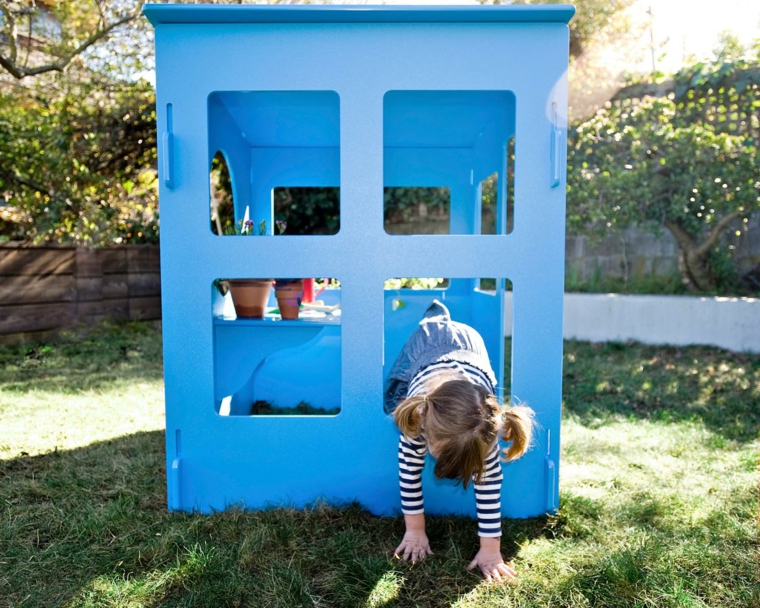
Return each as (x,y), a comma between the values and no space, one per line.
(412,451)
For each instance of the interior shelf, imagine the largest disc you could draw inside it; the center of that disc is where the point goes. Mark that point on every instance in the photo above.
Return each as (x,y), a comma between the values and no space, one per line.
(274,320)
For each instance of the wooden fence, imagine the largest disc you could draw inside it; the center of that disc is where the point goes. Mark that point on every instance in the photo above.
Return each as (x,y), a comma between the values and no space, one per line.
(44,289)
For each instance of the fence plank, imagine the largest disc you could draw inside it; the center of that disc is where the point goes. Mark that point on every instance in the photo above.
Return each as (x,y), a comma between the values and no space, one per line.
(89,263)
(115,285)
(36,289)
(34,317)
(89,289)
(114,261)
(144,284)
(36,262)
(48,288)
(145,309)
(116,309)
(143,259)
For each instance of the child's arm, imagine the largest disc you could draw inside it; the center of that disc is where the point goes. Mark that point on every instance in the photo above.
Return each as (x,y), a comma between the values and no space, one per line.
(411,460)
(490,561)
(488,500)
(415,544)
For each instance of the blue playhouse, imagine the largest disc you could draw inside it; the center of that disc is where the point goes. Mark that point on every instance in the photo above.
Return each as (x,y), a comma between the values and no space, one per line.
(360,98)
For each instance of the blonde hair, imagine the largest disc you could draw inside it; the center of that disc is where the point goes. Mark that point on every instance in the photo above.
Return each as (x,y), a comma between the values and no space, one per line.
(464,421)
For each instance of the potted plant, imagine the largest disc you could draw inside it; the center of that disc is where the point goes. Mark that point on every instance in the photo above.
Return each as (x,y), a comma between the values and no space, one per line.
(250,296)
(289,293)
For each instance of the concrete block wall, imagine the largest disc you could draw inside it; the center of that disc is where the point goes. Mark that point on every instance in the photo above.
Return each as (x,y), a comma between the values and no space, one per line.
(636,252)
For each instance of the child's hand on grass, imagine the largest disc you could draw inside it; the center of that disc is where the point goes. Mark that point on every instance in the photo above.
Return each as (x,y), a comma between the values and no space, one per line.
(415,546)
(492,566)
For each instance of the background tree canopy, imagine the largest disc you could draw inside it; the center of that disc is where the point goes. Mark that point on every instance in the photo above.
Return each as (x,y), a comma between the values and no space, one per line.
(679,155)
(77,124)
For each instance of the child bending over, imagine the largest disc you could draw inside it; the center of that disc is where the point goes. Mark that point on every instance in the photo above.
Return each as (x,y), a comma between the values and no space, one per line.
(441,394)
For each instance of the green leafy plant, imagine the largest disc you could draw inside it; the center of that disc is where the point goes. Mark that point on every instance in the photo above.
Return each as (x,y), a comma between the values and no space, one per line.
(265,408)
(668,163)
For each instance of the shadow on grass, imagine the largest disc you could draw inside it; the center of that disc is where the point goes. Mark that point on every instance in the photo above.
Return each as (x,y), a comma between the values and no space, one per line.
(714,387)
(84,358)
(90,526)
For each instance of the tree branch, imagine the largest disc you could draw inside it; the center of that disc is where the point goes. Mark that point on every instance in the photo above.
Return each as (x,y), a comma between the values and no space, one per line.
(688,243)
(21,72)
(12,29)
(12,176)
(685,241)
(715,233)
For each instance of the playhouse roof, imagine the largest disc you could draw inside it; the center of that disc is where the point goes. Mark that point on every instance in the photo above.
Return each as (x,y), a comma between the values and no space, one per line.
(251,13)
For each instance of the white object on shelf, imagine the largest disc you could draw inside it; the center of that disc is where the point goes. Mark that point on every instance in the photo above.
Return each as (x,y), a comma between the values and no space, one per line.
(321,307)
(224,409)
(311,314)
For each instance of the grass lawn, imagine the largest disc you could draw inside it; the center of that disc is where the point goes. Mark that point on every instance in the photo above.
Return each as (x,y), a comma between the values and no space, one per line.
(659,497)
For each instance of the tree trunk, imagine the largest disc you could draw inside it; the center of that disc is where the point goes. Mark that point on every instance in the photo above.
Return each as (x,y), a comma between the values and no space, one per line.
(693,257)
(751,280)
(695,270)
(693,265)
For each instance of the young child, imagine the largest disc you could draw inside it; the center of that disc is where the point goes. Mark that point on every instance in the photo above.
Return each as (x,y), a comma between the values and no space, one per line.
(441,394)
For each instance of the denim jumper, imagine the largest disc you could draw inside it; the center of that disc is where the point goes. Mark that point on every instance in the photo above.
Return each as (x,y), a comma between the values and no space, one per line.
(436,339)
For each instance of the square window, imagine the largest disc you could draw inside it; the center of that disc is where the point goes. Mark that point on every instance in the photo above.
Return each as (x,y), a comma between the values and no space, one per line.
(306,210)
(274,162)
(482,304)
(277,347)
(448,162)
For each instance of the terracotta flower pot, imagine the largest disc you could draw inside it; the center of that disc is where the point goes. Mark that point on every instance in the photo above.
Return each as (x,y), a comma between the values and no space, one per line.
(289,294)
(250,296)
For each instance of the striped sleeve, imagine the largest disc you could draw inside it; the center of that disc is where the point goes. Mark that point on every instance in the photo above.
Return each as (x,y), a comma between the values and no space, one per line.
(411,460)
(488,496)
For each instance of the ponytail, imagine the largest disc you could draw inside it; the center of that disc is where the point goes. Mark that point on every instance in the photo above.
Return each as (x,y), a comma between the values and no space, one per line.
(518,429)
(407,415)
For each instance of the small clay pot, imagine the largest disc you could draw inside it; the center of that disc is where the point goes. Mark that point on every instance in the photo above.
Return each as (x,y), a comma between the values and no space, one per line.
(289,293)
(250,296)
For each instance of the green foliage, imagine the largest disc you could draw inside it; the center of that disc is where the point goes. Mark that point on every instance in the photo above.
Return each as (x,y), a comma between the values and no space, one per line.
(222,205)
(264,408)
(80,163)
(77,133)
(641,164)
(687,163)
(402,204)
(308,210)
(669,284)
(63,34)
(415,283)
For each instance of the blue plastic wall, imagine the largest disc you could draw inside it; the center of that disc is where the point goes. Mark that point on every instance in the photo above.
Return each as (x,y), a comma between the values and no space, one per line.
(360,100)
